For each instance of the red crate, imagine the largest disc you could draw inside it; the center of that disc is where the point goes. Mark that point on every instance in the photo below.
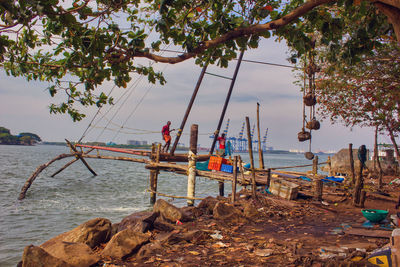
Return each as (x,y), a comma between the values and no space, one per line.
(215,163)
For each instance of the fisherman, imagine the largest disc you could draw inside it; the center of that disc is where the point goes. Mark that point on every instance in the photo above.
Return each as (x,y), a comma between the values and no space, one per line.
(165,133)
(221,140)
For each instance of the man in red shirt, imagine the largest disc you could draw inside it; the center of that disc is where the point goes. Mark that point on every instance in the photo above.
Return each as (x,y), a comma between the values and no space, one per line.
(165,132)
(221,141)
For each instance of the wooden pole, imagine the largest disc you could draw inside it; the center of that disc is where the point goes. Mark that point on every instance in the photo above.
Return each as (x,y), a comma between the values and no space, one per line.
(191,186)
(39,169)
(315,165)
(80,157)
(253,174)
(241,169)
(363,198)
(69,164)
(234,181)
(358,187)
(318,189)
(353,176)
(221,188)
(268,177)
(228,96)
(260,151)
(189,108)
(329,162)
(153,176)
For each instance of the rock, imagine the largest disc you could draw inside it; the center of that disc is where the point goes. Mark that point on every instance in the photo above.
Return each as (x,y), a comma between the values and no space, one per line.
(124,243)
(227,213)
(168,211)
(91,233)
(250,210)
(139,222)
(76,254)
(37,257)
(149,249)
(195,236)
(208,204)
(161,225)
(170,238)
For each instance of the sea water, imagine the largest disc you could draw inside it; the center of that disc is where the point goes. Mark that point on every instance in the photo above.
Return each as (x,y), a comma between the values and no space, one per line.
(55,205)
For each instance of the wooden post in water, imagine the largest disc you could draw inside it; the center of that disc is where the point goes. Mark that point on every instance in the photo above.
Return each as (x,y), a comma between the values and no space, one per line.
(191,186)
(260,151)
(250,147)
(353,176)
(315,165)
(234,180)
(221,188)
(153,175)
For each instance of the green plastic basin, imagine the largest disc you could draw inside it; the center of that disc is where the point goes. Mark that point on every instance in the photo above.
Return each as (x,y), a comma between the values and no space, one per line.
(373,215)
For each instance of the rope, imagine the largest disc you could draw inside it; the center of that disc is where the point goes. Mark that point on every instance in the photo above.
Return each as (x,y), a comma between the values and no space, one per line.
(172,196)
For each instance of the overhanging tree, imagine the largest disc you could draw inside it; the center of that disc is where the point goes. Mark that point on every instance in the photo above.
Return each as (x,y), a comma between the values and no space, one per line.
(364,94)
(78,45)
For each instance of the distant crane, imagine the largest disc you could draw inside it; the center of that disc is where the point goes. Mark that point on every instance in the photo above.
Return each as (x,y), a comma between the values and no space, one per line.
(264,141)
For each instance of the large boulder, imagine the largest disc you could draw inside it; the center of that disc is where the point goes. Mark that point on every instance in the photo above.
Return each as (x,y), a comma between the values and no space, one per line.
(76,254)
(139,221)
(91,233)
(37,257)
(168,211)
(208,204)
(150,249)
(228,213)
(125,243)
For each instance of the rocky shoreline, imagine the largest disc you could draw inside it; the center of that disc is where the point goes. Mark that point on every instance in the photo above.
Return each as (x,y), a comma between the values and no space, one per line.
(252,232)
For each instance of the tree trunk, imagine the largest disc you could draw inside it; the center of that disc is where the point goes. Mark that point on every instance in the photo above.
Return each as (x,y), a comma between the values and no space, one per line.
(392,11)
(396,148)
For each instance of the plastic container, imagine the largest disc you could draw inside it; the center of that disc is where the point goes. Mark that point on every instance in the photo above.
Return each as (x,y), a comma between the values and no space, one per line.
(374,215)
(226,168)
(215,163)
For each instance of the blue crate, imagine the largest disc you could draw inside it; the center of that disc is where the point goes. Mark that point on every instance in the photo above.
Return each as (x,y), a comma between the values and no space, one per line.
(227,168)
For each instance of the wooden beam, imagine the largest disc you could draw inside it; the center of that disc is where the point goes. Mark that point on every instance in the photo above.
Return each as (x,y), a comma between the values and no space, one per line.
(81,158)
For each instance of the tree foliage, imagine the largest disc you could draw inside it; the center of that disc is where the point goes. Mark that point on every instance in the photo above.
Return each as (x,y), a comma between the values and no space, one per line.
(78,45)
(364,94)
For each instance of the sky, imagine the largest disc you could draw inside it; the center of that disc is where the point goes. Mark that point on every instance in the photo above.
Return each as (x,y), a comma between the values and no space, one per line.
(143,109)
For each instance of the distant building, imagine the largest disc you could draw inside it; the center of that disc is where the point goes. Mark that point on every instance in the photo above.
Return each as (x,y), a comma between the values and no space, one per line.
(137,143)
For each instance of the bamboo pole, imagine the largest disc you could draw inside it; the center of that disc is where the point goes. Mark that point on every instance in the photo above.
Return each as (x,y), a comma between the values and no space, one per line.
(191,183)
(234,181)
(253,174)
(81,158)
(228,96)
(353,178)
(188,109)
(260,151)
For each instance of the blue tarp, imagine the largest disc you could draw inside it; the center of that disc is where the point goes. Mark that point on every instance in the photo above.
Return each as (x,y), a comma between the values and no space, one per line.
(333,179)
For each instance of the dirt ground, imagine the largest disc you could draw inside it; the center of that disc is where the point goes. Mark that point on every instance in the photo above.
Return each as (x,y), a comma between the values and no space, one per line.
(276,232)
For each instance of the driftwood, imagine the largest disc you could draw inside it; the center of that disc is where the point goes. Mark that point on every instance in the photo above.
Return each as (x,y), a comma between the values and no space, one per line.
(32,178)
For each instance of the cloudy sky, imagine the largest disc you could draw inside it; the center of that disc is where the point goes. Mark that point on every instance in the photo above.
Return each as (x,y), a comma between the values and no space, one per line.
(24,106)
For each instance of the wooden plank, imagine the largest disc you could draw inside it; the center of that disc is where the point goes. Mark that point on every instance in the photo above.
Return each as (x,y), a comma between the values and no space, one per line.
(369,233)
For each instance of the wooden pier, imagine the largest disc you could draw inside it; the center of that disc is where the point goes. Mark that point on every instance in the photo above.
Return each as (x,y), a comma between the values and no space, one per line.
(155,161)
